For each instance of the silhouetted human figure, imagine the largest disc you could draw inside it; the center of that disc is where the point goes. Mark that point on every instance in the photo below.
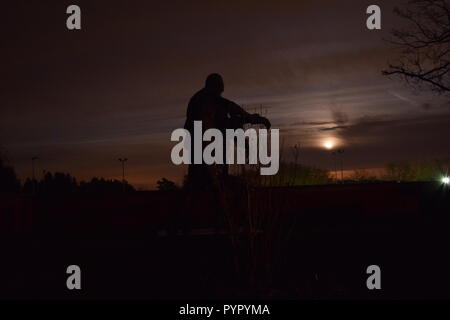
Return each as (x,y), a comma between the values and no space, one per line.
(208,106)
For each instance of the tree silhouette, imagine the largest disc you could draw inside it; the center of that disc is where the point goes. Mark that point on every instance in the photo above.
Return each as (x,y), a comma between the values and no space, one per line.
(165,185)
(417,171)
(424,45)
(58,183)
(8,178)
(101,185)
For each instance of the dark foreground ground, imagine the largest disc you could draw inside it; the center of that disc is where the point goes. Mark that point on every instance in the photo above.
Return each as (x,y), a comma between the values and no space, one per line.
(307,243)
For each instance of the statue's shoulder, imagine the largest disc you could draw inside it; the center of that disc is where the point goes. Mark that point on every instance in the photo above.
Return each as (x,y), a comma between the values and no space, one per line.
(197,96)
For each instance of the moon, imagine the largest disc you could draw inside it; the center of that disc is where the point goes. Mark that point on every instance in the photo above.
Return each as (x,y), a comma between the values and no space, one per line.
(328,144)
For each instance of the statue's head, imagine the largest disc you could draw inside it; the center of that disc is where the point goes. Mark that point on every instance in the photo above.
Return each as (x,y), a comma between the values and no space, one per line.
(214,84)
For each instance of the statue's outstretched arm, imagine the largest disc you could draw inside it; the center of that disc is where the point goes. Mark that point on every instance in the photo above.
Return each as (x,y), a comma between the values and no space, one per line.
(255,118)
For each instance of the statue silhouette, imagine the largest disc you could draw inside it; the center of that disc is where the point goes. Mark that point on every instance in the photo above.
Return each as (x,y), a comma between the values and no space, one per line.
(208,106)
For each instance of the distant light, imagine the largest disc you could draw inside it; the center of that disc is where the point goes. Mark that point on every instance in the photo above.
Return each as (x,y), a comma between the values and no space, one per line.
(445,180)
(328,145)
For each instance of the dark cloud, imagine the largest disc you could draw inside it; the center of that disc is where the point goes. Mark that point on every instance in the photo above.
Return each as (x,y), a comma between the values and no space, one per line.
(333,128)
(311,123)
(339,116)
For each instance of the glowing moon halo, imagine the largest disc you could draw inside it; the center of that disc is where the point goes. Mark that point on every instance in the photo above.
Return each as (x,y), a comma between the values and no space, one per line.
(328,144)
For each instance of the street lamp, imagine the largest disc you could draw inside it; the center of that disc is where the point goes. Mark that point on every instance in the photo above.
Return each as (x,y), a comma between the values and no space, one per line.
(338,152)
(341,151)
(123,160)
(445,180)
(334,153)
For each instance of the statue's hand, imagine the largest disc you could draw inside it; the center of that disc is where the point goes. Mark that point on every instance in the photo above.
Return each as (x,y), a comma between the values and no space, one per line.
(265,122)
(257,119)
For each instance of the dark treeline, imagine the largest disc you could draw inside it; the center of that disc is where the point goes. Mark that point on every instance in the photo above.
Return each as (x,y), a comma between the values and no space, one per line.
(64,183)
(290,174)
(58,183)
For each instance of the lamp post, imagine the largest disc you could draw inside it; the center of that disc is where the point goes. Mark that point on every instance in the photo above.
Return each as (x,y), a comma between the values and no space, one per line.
(341,151)
(333,154)
(338,152)
(123,160)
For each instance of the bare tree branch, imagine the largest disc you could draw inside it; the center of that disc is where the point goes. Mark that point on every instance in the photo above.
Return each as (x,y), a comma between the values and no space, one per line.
(424,45)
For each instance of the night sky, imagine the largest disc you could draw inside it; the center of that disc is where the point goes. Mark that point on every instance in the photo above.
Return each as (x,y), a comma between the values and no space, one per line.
(81,99)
